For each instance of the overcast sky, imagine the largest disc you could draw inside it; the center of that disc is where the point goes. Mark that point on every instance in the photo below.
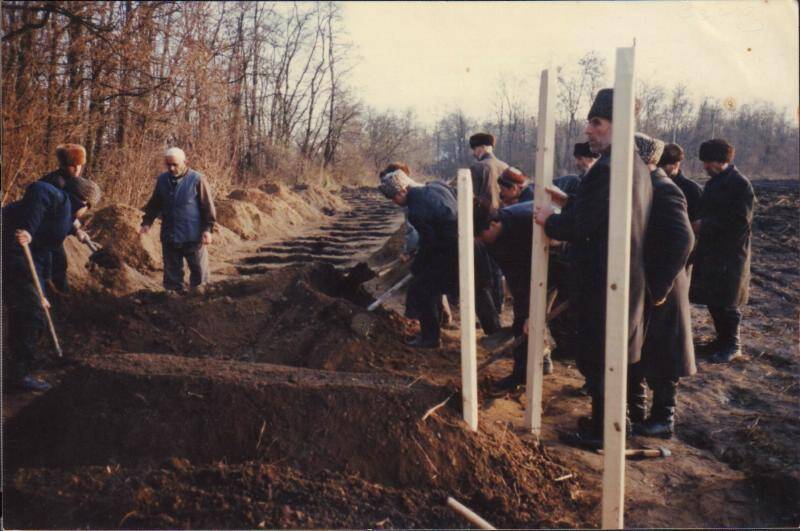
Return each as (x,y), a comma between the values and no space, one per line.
(434,57)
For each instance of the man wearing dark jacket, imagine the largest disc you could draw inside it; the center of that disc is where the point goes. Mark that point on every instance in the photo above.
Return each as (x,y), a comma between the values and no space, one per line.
(585,225)
(182,197)
(668,350)
(584,160)
(670,162)
(71,161)
(433,211)
(508,235)
(41,219)
(721,276)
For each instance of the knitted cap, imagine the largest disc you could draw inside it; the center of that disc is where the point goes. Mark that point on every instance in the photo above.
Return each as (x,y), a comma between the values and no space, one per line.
(649,149)
(603,105)
(71,155)
(394,182)
(481,139)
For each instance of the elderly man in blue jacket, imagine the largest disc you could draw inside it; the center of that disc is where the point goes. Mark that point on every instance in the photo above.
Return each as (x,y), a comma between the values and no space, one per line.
(42,219)
(433,211)
(183,199)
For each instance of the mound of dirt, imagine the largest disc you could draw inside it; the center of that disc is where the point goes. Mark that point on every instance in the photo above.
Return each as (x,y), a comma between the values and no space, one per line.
(209,411)
(322,199)
(295,202)
(116,228)
(244,218)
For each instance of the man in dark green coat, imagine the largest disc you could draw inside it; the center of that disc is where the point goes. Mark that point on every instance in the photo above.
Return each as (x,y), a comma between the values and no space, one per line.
(721,276)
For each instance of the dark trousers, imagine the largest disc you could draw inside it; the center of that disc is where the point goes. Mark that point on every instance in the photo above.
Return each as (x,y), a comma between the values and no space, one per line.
(595,382)
(424,302)
(726,323)
(26,323)
(488,289)
(196,257)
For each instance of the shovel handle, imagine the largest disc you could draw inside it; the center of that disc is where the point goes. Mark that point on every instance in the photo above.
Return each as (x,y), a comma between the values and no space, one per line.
(29,258)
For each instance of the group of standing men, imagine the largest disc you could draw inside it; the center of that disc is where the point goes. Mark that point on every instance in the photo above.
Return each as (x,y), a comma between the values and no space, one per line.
(687,243)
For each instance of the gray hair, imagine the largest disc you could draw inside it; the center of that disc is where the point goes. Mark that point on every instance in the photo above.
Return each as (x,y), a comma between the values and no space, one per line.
(395,182)
(175,152)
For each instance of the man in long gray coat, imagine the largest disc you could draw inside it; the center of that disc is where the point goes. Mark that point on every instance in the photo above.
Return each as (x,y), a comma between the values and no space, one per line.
(585,225)
(721,276)
(182,197)
(668,350)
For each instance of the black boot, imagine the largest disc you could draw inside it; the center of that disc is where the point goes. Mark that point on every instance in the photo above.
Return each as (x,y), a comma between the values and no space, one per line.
(637,398)
(726,321)
(662,419)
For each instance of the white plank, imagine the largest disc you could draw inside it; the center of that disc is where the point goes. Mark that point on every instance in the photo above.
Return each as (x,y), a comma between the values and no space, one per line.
(466,272)
(619,250)
(545,157)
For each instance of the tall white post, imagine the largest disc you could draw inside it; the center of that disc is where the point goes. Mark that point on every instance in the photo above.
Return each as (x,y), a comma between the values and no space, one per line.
(466,273)
(619,251)
(545,154)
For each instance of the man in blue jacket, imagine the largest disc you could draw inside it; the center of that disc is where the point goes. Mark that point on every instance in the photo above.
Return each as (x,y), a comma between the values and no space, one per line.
(433,211)
(183,199)
(41,219)
(508,235)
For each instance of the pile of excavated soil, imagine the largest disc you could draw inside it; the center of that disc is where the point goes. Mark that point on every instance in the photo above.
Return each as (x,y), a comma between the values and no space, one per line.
(305,316)
(173,441)
(324,200)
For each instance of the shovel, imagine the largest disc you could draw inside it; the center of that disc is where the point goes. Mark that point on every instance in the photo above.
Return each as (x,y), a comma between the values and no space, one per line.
(42,299)
(405,280)
(101,256)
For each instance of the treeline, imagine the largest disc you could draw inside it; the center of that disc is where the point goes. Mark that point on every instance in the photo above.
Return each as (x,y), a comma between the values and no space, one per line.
(765,137)
(258,91)
(249,89)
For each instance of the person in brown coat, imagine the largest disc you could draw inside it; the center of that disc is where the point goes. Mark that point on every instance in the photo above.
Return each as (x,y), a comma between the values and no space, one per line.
(486,169)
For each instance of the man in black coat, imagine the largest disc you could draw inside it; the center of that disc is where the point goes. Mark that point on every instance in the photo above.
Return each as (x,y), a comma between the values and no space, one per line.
(508,235)
(585,225)
(433,211)
(721,276)
(668,350)
(670,162)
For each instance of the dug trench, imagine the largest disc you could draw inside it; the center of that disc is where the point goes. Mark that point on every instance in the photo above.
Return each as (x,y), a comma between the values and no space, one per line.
(271,400)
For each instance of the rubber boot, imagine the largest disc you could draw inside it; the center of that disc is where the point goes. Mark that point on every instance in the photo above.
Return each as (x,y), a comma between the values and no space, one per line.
(662,418)
(590,429)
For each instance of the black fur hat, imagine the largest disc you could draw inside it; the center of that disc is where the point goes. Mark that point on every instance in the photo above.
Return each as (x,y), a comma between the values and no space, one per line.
(603,105)
(581,149)
(716,150)
(481,139)
(673,154)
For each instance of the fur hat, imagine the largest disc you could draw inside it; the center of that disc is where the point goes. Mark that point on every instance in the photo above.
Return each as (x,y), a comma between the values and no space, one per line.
(716,150)
(581,149)
(394,182)
(649,149)
(86,191)
(603,105)
(673,154)
(481,139)
(71,155)
(512,175)
(395,166)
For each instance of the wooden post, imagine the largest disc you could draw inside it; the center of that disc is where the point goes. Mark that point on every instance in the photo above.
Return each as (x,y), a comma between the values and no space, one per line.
(545,153)
(466,271)
(619,250)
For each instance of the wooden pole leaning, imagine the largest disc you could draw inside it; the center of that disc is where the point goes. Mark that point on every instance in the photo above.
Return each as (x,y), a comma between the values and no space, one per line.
(466,273)
(617,290)
(545,153)
(35,278)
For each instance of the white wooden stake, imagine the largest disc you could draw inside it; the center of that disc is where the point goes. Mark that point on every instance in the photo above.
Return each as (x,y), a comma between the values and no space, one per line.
(545,153)
(466,271)
(619,250)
